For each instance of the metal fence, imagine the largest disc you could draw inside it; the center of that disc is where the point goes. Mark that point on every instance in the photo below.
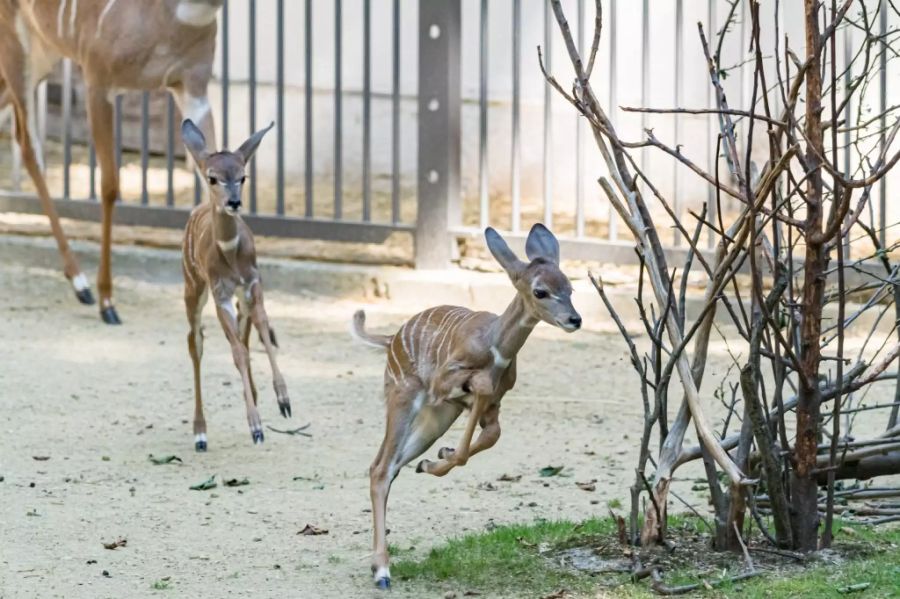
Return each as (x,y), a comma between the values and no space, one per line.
(453,193)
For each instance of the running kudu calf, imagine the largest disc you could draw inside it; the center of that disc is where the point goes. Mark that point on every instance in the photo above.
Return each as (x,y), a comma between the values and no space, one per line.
(448,359)
(218,256)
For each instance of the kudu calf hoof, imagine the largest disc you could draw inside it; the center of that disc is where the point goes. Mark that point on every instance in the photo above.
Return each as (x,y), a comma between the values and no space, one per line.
(285,407)
(258,436)
(420,467)
(85,296)
(109,315)
(445,452)
(200,446)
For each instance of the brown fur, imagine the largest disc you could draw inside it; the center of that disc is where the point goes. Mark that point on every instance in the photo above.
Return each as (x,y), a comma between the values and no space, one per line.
(448,359)
(219,258)
(119,44)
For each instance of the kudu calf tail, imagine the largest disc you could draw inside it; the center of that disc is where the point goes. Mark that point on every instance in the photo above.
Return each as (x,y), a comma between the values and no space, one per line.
(358,330)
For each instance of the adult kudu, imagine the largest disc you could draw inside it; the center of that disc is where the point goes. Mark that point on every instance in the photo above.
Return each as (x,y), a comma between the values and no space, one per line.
(119,45)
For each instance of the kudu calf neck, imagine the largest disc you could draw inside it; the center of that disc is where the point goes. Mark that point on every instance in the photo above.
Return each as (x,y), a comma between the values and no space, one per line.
(219,257)
(448,359)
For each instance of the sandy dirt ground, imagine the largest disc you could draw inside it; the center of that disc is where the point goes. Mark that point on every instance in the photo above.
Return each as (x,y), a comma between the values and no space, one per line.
(96,401)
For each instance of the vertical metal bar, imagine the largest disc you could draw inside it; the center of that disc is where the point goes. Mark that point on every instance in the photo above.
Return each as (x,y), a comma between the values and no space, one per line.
(484,209)
(613,217)
(438,163)
(679,74)
(308,109)
(548,118)
(67,126)
(279,109)
(367,112)
(251,89)
(145,146)
(42,122)
(225,74)
(882,122)
(645,73)
(579,140)
(170,151)
(395,120)
(516,100)
(711,129)
(338,134)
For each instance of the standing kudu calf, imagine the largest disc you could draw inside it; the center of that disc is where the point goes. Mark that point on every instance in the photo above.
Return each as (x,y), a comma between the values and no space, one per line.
(218,256)
(447,359)
(119,45)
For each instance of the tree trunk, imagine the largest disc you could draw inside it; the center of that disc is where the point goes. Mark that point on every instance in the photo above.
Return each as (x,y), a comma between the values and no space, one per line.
(804,485)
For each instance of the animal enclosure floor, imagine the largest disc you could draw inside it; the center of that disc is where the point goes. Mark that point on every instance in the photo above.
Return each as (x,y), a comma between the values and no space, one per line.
(84,405)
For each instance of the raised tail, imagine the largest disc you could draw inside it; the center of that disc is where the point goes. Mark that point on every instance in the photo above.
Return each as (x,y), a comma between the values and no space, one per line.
(358,330)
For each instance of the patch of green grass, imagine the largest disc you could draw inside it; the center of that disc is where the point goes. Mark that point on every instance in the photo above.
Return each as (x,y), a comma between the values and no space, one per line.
(516,561)
(161,585)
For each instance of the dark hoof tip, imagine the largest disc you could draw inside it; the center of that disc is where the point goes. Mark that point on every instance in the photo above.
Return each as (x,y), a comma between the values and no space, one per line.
(420,467)
(85,297)
(383,583)
(110,316)
(258,437)
(285,409)
(200,446)
(445,452)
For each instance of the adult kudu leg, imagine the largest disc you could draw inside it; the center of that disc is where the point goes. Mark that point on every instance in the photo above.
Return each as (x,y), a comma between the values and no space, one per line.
(100,114)
(13,65)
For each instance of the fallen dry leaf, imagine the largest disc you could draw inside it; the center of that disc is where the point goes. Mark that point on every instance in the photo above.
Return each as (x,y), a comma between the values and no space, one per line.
(591,485)
(510,478)
(40,458)
(310,530)
(557,595)
(120,542)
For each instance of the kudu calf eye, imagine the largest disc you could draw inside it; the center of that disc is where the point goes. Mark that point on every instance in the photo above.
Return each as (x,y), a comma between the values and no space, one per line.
(213,180)
(541,293)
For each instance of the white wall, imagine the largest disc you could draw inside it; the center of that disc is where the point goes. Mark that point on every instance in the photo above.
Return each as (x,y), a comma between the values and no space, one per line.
(695,133)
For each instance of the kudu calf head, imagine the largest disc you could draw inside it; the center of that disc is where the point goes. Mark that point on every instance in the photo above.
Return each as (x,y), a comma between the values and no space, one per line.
(223,171)
(541,285)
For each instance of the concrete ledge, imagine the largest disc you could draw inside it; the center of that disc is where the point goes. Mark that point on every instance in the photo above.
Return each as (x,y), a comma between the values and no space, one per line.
(406,288)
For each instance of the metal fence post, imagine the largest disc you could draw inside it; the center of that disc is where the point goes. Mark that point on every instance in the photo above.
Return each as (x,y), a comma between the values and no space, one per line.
(439,131)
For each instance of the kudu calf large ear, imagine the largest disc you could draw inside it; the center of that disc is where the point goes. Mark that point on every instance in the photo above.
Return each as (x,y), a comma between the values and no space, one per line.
(541,243)
(505,256)
(194,141)
(248,148)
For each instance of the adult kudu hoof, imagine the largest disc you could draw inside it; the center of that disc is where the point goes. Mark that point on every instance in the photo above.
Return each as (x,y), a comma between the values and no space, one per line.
(85,296)
(383,583)
(109,315)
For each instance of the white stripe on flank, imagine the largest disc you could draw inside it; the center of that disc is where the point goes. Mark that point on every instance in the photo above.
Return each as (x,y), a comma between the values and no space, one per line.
(434,334)
(103,14)
(397,362)
(451,326)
